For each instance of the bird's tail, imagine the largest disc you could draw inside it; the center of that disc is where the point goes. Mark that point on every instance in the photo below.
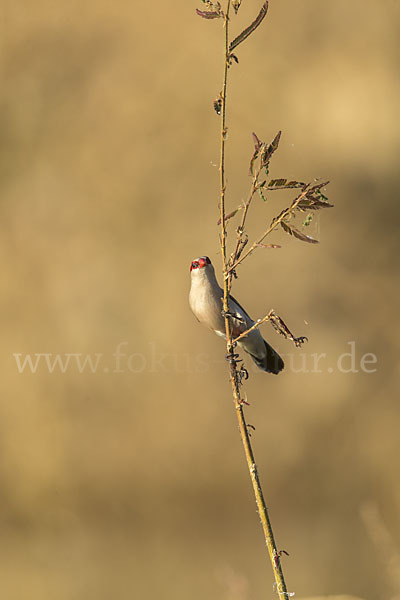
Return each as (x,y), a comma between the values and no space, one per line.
(271,362)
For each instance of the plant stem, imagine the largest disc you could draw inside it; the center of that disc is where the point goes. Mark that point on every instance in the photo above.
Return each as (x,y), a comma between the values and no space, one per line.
(235,382)
(222,175)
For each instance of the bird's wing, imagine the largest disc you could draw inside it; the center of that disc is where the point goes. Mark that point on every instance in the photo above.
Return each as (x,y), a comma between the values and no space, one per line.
(241,309)
(239,326)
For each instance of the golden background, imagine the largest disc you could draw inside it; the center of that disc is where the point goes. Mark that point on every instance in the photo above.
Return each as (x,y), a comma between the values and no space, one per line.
(132,484)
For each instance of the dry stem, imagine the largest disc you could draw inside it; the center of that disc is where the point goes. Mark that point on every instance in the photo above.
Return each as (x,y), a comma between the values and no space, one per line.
(274,554)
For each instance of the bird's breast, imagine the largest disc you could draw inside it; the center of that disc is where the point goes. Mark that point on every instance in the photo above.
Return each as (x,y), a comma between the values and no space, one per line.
(206,305)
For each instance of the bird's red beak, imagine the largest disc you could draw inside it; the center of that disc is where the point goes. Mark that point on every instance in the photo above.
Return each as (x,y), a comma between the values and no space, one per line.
(199,263)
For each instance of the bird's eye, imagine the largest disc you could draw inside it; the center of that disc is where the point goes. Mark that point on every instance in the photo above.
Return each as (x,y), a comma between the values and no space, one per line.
(195,264)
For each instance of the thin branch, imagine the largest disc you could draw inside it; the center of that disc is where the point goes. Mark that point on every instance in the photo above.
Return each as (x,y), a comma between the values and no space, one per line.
(257,324)
(280,326)
(240,229)
(285,213)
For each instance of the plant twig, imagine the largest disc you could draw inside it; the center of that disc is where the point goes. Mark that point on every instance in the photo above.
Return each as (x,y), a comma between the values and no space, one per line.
(235,377)
(240,230)
(257,324)
(285,213)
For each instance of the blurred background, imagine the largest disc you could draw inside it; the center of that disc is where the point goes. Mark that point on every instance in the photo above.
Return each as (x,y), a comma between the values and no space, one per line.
(124,477)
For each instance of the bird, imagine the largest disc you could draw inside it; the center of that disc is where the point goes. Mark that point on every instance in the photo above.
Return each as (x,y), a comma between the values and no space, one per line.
(206,303)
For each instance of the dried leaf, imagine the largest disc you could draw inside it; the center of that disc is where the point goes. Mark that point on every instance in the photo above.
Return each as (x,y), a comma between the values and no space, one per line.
(315,199)
(297,234)
(313,204)
(257,142)
(230,215)
(294,184)
(317,187)
(257,146)
(277,183)
(270,149)
(208,14)
(252,27)
(284,184)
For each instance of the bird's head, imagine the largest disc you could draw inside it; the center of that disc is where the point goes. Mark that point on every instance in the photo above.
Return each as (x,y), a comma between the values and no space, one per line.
(200,263)
(201,267)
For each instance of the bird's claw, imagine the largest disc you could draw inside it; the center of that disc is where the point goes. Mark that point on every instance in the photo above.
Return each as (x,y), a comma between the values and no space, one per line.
(300,340)
(242,373)
(227,313)
(232,315)
(232,358)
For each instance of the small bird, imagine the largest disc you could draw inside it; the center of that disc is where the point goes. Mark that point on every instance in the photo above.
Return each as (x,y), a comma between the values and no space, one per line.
(206,302)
